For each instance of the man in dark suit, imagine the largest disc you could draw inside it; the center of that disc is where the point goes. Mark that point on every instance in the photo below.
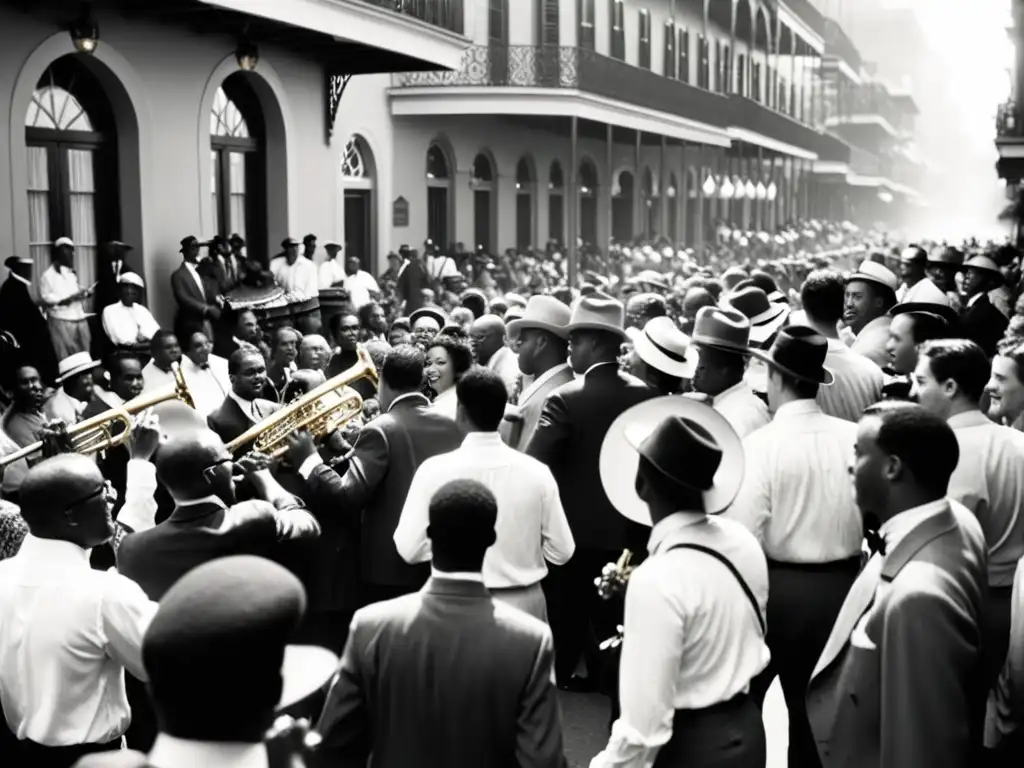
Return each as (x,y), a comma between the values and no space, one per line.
(199,303)
(412,279)
(20,317)
(980,321)
(387,453)
(244,406)
(573,423)
(419,682)
(899,681)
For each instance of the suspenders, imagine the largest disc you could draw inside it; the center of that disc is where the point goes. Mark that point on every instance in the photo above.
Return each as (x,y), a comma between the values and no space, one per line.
(732,568)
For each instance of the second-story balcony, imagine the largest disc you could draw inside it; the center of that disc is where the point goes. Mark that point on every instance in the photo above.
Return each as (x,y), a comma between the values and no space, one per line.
(1010,141)
(446,14)
(869,108)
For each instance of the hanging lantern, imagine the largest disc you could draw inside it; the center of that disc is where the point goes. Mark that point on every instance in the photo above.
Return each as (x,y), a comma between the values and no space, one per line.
(751,190)
(761,191)
(709,186)
(739,189)
(85,33)
(727,190)
(772,191)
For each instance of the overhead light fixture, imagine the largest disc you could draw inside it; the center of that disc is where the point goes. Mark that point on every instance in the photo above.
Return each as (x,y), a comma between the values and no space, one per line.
(740,189)
(761,191)
(671,191)
(772,191)
(247,54)
(85,33)
(728,190)
(709,186)
(751,190)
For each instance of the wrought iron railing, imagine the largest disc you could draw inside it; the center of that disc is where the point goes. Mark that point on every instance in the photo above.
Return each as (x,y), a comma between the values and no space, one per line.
(874,99)
(864,163)
(1008,121)
(440,13)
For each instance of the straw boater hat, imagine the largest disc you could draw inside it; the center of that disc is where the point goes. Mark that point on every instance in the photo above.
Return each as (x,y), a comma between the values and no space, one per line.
(947,256)
(72,365)
(689,443)
(722,328)
(765,317)
(434,312)
(799,351)
(666,348)
(544,312)
(64,241)
(598,312)
(876,274)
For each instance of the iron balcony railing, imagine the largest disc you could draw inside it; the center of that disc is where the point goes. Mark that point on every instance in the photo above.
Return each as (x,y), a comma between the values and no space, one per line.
(441,13)
(864,163)
(873,99)
(1009,124)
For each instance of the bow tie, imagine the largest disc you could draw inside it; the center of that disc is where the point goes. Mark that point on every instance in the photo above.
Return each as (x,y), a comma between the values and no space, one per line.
(204,367)
(875,542)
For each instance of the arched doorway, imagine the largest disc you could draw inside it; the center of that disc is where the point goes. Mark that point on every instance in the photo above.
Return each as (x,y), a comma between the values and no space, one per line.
(524,204)
(438,189)
(556,203)
(237,152)
(622,208)
(651,202)
(70,137)
(484,199)
(357,175)
(588,201)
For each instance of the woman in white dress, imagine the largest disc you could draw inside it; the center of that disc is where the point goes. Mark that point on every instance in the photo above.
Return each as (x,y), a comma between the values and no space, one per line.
(448,357)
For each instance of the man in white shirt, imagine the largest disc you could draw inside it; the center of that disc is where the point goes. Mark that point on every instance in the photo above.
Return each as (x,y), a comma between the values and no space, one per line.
(166,352)
(205,374)
(361,287)
(62,296)
(870,292)
(332,271)
(915,286)
(294,273)
(128,323)
(76,387)
(67,632)
(531,525)
(796,498)
(487,337)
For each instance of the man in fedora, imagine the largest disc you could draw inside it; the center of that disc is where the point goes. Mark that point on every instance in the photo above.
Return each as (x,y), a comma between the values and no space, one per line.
(21,319)
(75,382)
(198,301)
(683,694)
(221,668)
(295,273)
(980,321)
(796,498)
(573,424)
(63,297)
(765,317)
(662,356)
(722,338)
(870,293)
(540,339)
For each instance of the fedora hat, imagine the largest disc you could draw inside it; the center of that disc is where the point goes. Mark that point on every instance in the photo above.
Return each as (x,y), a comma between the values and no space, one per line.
(665,348)
(764,316)
(598,312)
(722,328)
(875,273)
(434,312)
(913,254)
(72,365)
(944,311)
(708,458)
(799,351)
(985,264)
(947,255)
(544,312)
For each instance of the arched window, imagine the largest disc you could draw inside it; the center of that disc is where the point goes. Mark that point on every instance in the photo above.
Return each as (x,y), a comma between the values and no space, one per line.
(556,203)
(72,166)
(524,204)
(236,154)
(484,200)
(357,176)
(438,193)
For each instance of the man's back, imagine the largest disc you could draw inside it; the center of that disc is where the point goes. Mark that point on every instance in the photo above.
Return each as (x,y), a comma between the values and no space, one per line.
(858,383)
(445,677)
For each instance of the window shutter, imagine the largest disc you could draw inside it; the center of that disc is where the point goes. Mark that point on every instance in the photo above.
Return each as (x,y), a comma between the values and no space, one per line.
(547,22)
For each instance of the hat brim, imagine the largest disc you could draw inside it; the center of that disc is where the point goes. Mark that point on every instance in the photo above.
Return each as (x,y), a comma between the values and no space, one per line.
(621,332)
(620,454)
(658,360)
(514,328)
(764,329)
(306,669)
(825,378)
(946,313)
(442,321)
(711,341)
(76,371)
(856,276)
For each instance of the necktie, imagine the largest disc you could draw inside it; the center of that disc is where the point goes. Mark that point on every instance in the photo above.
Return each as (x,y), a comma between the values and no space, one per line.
(255,412)
(857,602)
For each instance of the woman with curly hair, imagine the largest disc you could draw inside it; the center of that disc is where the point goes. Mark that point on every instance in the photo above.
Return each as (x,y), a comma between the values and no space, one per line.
(448,358)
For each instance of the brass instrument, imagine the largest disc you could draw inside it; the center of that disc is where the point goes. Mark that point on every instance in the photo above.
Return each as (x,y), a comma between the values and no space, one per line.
(321,411)
(97,433)
(613,581)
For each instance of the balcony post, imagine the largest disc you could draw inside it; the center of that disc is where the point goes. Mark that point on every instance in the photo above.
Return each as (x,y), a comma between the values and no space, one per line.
(759,204)
(664,201)
(574,201)
(609,173)
(698,217)
(639,226)
(682,198)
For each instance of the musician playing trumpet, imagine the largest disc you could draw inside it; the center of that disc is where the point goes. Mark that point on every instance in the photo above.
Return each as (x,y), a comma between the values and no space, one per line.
(694,626)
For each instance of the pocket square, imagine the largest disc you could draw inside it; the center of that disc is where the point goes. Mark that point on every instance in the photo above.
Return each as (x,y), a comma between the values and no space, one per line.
(859,639)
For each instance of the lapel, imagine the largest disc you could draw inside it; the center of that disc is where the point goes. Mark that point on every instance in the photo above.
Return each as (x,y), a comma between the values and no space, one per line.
(929,530)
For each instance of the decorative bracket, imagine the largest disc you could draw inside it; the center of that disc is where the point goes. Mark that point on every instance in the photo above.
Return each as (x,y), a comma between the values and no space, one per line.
(336,85)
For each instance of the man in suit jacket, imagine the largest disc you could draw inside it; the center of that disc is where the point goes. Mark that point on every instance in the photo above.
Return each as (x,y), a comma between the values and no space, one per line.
(20,317)
(898,682)
(573,423)
(387,453)
(412,279)
(244,406)
(541,341)
(980,321)
(195,292)
(418,682)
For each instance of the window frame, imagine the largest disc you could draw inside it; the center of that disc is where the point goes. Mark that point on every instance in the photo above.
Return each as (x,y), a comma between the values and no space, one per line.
(644,40)
(617,29)
(670,61)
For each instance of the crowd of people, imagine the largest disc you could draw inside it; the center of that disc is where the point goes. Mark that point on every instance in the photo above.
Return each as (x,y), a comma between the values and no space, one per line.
(680,478)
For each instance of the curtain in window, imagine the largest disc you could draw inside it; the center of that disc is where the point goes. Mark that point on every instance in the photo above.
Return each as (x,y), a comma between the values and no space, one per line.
(237,186)
(82,205)
(38,208)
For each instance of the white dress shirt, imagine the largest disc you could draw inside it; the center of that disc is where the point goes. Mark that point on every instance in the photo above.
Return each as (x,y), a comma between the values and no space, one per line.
(858,383)
(796,496)
(299,277)
(64,407)
(359,287)
(531,525)
(208,386)
(332,271)
(154,378)
(67,633)
(56,284)
(128,325)
(446,403)
(172,752)
(691,637)
(505,363)
(744,410)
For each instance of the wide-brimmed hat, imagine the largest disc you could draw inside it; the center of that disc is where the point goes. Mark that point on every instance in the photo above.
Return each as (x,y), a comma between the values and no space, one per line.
(721,328)
(985,264)
(189,242)
(765,317)
(72,365)
(666,348)
(434,312)
(598,312)
(876,274)
(944,311)
(13,261)
(650,277)
(946,255)
(290,242)
(64,241)
(333,244)
(689,443)
(799,351)
(119,245)
(913,254)
(544,312)
(130,278)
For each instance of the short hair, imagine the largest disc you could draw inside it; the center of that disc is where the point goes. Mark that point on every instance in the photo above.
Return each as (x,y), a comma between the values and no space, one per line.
(403,368)
(962,361)
(286,329)
(364,312)
(1013,349)
(462,316)
(238,357)
(455,330)
(482,395)
(400,322)
(923,442)
(822,296)
(379,351)
(804,389)
(157,342)
(458,349)
(462,516)
(118,360)
(927,326)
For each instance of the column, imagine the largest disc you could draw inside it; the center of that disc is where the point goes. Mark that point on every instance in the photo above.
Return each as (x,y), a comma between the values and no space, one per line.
(664,201)
(639,224)
(573,201)
(609,172)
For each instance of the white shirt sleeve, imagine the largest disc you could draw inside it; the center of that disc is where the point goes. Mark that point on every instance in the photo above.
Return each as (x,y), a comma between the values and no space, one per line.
(139,510)
(49,291)
(309,285)
(311,463)
(148,326)
(125,614)
(371,283)
(558,543)
(753,503)
(326,276)
(411,532)
(114,325)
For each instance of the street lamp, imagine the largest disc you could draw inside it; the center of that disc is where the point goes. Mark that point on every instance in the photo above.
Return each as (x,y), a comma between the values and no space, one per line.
(85,33)
(772,191)
(727,190)
(247,54)
(709,186)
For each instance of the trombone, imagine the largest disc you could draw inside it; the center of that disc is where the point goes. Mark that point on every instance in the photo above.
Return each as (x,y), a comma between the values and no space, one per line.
(98,433)
(322,410)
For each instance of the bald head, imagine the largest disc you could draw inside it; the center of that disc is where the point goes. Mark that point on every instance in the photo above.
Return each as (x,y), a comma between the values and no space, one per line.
(487,335)
(65,498)
(182,462)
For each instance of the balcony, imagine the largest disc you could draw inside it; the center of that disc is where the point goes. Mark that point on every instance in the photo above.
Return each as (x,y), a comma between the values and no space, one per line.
(807,13)
(446,14)
(1009,125)
(869,108)
(838,44)
(753,116)
(1010,142)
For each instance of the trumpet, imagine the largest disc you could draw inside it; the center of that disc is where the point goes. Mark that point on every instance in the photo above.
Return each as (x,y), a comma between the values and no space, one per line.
(321,411)
(615,576)
(99,434)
